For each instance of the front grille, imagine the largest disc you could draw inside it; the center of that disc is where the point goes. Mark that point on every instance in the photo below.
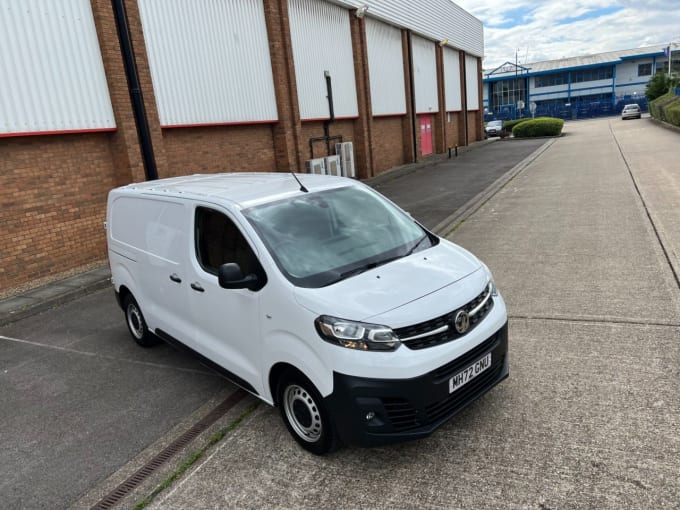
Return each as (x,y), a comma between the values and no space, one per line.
(438,410)
(451,368)
(450,334)
(400,412)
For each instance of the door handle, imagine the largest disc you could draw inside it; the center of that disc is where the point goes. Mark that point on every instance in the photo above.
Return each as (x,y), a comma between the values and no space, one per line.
(197,287)
(175,278)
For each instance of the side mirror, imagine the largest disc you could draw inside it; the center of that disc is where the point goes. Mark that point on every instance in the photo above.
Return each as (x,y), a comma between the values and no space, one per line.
(230,276)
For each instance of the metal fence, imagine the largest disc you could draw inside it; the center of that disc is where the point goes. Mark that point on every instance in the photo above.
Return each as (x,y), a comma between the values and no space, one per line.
(569,111)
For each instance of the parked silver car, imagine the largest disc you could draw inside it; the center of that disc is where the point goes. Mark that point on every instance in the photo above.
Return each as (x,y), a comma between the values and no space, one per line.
(493,128)
(631,111)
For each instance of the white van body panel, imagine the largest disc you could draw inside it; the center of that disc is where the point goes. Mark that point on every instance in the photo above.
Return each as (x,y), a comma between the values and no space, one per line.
(153,243)
(387,287)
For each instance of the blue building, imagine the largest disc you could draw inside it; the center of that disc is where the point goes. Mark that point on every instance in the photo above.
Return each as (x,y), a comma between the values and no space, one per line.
(575,87)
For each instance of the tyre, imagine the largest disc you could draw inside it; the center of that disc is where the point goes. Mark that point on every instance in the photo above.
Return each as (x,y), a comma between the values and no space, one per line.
(304,414)
(136,323)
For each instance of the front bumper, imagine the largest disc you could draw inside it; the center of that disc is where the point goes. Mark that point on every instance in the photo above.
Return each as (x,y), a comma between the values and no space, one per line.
(404,409)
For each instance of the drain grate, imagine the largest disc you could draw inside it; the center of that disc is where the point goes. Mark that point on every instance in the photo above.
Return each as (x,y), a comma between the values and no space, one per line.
(168,452)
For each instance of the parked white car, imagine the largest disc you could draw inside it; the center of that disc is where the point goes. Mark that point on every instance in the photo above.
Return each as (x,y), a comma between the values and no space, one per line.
(493,128)
(314,293)
(631,111)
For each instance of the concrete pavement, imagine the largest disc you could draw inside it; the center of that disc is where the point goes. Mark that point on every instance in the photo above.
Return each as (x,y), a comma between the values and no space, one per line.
(583,250)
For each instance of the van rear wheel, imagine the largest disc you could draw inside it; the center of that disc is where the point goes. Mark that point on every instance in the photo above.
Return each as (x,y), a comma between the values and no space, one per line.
(136,323)
(304,414)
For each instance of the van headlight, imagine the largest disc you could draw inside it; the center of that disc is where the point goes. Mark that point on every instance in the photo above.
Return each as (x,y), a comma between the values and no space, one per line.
(356,335)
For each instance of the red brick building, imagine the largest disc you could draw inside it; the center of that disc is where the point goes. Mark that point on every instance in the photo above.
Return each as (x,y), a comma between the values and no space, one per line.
(101,93)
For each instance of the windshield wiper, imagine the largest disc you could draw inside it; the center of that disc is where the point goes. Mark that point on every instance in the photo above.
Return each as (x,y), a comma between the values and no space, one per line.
(372,265)
(413,248)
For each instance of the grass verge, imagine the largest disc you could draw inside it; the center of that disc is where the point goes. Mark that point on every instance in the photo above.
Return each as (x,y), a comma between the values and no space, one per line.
(195,456)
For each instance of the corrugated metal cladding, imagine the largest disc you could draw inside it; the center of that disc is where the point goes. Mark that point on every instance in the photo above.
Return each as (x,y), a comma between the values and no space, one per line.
(322,41)
(452,80)
(51,71)
(209,61)
(434,19)
(472,82)
(386,68)
(425,75)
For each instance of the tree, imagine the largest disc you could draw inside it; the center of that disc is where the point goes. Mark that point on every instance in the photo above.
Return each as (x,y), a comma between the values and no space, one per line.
(659,85)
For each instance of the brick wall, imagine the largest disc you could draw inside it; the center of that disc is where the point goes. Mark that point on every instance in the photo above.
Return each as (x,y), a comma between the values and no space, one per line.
(314,129)
(388,143)
(454,128)
(53,193)
(473,126)
(219,149)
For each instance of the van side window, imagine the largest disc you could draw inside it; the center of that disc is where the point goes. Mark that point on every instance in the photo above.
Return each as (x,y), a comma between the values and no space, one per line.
(219,241)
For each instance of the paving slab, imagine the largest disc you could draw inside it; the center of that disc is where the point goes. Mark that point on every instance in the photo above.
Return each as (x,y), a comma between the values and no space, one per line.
(588,419)
(589,415)
(570,237)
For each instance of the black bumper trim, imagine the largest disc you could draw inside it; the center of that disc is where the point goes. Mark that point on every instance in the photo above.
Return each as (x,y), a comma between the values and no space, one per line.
(405,409)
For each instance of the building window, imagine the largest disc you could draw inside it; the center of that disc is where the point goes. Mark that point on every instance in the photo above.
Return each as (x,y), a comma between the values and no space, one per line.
(599,73)
(644,69)
(508,92)
(550,80)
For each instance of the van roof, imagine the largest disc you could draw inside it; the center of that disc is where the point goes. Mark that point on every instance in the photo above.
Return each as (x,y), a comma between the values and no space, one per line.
(243,189)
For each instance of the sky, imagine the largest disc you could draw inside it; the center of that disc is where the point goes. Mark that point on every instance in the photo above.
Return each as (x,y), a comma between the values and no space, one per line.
(551,29)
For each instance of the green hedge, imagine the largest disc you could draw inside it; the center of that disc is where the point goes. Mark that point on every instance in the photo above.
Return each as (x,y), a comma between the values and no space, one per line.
(666,108)
(540,126)
(509,124)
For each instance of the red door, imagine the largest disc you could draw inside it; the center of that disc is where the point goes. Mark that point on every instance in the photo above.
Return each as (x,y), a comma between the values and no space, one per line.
(425,134)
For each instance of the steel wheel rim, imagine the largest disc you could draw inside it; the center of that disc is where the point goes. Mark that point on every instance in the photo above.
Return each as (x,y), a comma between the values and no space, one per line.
(135,322)
(302,412)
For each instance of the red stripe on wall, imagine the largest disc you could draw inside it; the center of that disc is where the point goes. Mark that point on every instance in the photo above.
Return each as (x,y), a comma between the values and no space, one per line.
(63,132)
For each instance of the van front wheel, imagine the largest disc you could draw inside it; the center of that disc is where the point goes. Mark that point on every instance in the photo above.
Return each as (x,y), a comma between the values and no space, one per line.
(304,414)
(136,323)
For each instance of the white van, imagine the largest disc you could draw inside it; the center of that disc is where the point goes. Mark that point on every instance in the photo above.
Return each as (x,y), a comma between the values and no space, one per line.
(314,293)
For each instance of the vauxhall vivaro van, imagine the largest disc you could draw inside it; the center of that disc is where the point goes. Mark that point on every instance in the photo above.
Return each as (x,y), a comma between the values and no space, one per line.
(314,293)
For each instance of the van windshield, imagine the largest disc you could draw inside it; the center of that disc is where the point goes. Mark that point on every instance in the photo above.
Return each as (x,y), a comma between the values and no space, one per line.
(319,238)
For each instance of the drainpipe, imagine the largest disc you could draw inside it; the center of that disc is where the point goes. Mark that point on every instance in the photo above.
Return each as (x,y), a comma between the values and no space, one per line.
(411,79)
(135,88)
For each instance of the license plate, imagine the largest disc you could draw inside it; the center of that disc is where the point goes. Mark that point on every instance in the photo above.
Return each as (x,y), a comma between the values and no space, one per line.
(465,376)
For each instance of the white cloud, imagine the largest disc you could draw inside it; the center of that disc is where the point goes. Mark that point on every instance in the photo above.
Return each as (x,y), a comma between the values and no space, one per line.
(540,36)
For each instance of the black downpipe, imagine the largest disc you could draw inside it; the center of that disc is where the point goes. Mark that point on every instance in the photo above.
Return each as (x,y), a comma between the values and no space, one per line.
(135,88)
(331,111)
(327,123)
(414,127)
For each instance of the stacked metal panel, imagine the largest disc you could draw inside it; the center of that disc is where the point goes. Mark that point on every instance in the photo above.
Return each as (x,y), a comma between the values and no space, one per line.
(209,61)
(51,72)
(452,80)
(434,19)
(472,77)
(386,68)
(425,75)
(322,41)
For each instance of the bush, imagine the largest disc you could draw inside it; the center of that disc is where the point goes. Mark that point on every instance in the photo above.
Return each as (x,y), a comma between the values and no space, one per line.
(509,124)
(541,126)
(658,85)
(666,108)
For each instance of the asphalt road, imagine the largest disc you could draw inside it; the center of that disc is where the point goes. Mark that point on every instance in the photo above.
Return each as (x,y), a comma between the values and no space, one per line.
(584,244)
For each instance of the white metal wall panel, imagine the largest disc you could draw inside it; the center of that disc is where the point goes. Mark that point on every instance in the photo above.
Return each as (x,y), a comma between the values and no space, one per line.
(452,89)
(472,82)
(51,72)
(434,19)
(386,68)
(425,75)
(322,41)
(209,61)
